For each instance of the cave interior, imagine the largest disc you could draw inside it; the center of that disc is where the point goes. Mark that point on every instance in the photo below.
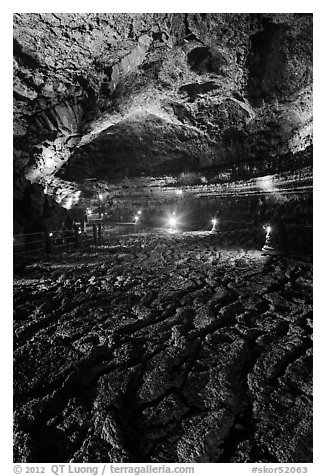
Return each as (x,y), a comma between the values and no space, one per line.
(162,237)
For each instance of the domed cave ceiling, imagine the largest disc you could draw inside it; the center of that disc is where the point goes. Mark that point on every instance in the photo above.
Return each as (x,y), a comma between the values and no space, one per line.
(149,98)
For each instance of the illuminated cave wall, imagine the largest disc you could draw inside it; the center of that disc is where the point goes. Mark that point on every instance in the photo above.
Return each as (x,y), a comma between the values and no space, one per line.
(123,96)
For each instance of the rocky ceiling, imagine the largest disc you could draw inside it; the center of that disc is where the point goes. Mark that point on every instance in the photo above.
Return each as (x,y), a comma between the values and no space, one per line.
(124,95)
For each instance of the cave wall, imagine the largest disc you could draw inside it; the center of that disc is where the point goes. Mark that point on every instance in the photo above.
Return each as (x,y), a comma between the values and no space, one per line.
(111,96)
(35,211)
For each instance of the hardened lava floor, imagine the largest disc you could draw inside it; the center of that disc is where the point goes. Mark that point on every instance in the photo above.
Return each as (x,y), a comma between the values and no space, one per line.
(163,347)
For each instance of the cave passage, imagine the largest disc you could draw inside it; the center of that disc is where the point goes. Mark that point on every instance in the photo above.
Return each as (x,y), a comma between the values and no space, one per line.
(163,179)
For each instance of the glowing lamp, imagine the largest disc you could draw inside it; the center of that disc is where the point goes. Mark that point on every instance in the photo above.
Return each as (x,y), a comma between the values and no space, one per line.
(100,196)
(139,212)
(136,218)
(173,222)
(276,238)
(89,211)
(50,234)
(214,223)
(179,192)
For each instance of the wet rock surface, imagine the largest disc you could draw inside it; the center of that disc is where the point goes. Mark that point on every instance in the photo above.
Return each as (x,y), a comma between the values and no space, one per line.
(159,347)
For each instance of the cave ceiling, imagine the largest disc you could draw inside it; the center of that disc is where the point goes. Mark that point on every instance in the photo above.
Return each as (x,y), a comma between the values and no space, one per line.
(126,95)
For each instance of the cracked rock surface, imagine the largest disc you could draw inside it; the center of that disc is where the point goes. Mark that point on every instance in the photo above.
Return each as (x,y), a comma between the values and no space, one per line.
(160,347)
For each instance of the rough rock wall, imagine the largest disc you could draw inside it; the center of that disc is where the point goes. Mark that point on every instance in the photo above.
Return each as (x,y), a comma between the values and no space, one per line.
(202,75)
(120,95)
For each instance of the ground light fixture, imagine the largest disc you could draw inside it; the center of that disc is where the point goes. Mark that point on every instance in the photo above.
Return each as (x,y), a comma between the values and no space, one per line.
(136,219)
(172,223)
(100,196)
(269,246)
(276,241)
(214,223)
